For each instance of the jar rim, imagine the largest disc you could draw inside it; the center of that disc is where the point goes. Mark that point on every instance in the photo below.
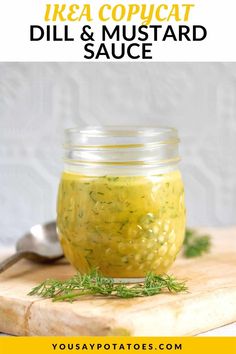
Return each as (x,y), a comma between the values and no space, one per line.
(119,136)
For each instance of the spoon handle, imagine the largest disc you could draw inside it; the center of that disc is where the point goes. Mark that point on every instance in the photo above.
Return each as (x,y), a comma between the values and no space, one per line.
(7,263)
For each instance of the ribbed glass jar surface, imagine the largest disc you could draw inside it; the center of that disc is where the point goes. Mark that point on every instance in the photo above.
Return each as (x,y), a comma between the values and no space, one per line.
(121,200)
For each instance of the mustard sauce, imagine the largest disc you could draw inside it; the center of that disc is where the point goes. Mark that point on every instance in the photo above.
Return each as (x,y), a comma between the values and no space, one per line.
(125,226)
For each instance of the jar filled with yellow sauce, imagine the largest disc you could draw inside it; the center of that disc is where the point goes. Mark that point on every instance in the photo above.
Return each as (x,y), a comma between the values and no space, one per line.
(121,203)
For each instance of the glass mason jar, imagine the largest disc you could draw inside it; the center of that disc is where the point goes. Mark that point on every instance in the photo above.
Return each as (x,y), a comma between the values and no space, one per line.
(121,200)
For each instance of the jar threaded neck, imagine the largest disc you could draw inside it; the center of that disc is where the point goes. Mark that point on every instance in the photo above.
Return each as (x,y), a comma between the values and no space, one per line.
(152,146)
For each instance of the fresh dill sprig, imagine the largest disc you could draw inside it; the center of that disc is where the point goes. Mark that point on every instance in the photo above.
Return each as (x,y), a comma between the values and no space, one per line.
(195,244)
(95,284)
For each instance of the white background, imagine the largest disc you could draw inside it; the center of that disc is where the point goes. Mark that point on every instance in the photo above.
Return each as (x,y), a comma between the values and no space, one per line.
(17,16)
(39,100)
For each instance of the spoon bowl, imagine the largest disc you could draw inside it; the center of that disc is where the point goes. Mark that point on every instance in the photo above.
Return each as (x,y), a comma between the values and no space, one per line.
(40,244)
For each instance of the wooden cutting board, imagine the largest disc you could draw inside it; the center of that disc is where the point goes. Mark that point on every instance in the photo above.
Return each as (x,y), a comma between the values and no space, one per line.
(210,302)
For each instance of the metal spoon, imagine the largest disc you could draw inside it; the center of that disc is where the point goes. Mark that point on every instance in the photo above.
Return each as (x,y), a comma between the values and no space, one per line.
(41,244)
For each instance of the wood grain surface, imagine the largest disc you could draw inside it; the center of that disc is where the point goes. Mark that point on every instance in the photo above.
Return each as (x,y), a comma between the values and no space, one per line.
(209,303)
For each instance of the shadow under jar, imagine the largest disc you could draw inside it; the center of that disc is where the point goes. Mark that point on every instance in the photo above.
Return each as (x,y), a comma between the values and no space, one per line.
(121,200)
